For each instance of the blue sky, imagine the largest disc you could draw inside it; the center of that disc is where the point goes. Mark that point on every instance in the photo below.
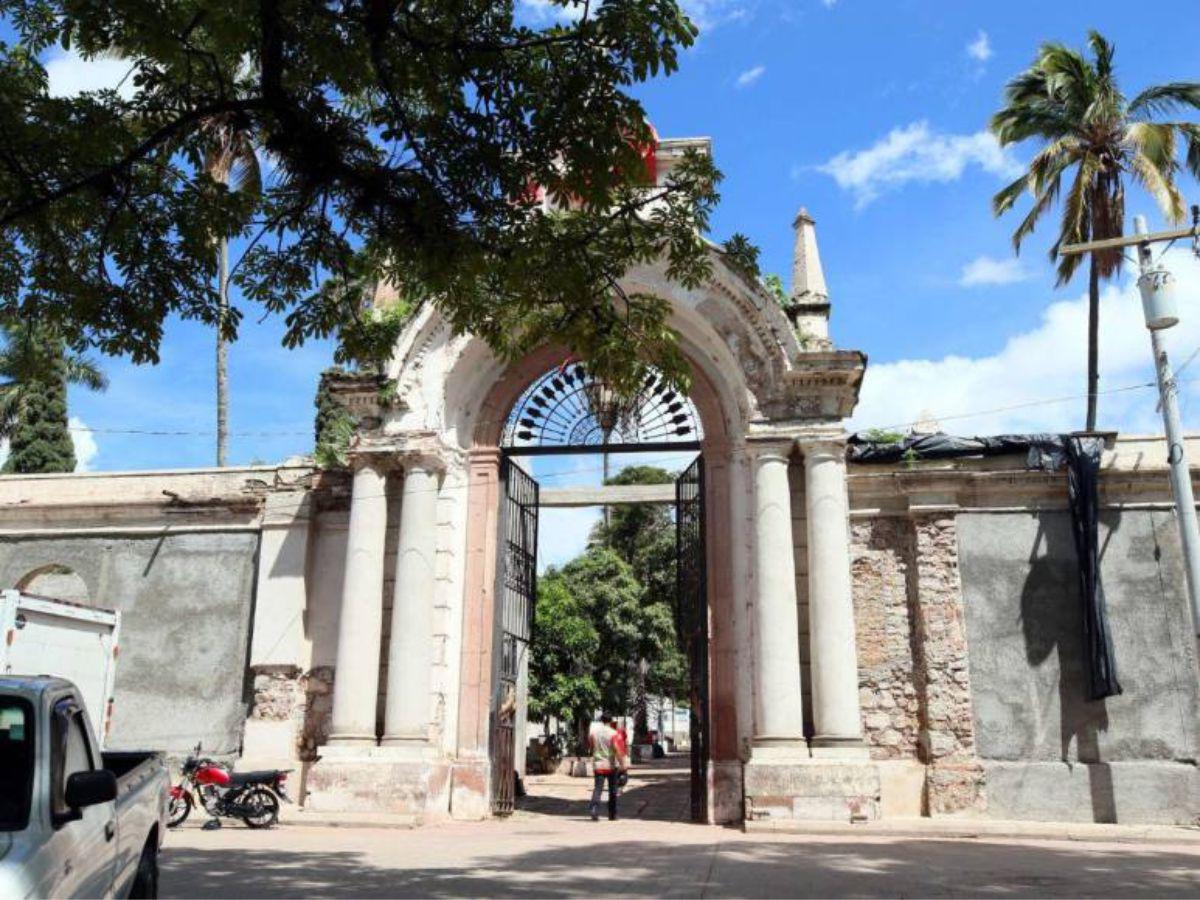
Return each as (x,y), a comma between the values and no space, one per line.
(871,115)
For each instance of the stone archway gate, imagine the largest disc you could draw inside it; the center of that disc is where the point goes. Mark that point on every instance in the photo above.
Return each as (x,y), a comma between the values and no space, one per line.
(411,727)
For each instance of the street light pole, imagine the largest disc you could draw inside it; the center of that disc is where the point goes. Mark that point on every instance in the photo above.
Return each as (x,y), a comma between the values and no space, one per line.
(1156,285)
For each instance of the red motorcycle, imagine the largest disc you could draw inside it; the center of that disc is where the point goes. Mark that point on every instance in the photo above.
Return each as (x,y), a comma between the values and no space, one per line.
(252,797)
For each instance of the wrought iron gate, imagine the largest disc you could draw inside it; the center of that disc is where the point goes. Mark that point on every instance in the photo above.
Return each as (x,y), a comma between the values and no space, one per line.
(516,588)
(691,620)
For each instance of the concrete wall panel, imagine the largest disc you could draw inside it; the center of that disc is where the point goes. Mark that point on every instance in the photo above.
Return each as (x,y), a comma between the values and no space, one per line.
(1024,623)
(185,602)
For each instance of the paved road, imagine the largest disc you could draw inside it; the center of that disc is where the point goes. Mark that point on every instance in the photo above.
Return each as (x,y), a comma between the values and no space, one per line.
(569,856)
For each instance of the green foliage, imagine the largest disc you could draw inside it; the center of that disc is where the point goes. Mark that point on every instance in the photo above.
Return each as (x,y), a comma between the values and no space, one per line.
(1072,106)
(333,426)
(41,440)
(643,535)
(883,436)
(774,285)
(561,677)
(743,256)
(607,593)
(35,369)
(410,136)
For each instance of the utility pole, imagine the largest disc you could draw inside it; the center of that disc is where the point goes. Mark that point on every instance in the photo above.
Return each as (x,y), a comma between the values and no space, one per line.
(1156,284)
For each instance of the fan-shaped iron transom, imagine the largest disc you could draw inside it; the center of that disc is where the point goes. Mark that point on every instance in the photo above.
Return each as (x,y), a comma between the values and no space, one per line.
(568,407)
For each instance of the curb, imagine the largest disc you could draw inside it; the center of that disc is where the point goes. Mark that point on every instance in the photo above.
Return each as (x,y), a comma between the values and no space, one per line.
(931,829)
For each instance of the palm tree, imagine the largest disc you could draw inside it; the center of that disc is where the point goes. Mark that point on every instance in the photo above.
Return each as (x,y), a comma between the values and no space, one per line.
(34,363)
(231,160)
(1073,106)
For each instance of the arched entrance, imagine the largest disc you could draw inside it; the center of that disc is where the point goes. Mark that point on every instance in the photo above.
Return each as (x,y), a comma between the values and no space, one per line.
(568,411)
(547,405)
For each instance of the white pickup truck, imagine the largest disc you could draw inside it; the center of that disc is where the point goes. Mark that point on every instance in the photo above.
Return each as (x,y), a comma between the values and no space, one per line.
(74,822)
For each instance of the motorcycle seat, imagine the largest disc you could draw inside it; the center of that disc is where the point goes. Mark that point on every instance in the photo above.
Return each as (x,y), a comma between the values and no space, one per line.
(263,776)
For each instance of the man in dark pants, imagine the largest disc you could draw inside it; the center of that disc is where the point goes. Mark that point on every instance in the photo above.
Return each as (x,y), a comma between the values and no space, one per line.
(604,742)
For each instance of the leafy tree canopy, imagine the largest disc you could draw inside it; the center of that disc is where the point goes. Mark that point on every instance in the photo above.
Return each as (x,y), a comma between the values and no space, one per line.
(561,671)
(610,596)
(406,141)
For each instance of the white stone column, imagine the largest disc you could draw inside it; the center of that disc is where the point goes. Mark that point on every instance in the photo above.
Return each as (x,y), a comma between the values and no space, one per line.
(360,626)
(778,707)
(836,717)
(406,714)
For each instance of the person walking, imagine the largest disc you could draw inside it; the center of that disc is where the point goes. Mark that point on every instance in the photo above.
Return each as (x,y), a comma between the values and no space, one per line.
(607,755)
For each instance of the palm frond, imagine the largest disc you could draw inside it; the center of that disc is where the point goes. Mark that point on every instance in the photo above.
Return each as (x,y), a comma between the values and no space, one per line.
(85,372)
(1076,217)
(1041,203)
(1102,50)
(1165,98)
(1156,141)
(1192,134)
(1153,164)
(1004,198)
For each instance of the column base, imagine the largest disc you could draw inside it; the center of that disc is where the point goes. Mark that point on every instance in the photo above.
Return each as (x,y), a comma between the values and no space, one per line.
(359,779)
(778,750)
(407,747)
(831,747)
(352,740)
(813,790)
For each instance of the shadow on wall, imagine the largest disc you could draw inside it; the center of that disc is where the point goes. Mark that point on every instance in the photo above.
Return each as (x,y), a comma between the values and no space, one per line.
(723,864)
(1052,623)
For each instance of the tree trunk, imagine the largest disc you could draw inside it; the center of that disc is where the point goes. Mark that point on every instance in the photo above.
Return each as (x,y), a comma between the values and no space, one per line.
(222,367)
(641,717)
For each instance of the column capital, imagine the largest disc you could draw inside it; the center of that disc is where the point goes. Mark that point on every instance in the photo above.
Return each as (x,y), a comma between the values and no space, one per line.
(823,446)
(378,460)
(770,447)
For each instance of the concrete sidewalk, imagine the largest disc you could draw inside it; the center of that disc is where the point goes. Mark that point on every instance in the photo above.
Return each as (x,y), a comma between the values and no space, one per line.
(570,856)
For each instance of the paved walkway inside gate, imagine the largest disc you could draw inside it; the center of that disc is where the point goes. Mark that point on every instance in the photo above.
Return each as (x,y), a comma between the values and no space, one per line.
(658,791)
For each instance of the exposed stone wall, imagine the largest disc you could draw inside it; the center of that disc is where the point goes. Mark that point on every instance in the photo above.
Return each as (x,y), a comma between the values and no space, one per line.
(886,671)
(303,698)
(955,780)
(914,686)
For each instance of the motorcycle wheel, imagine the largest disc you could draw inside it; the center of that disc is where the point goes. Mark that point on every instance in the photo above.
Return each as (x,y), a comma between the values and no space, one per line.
(178,810)
(263,806)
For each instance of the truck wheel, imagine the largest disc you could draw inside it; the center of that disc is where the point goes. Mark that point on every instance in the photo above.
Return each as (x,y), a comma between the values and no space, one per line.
(263,808)
(178,810)
(145,882)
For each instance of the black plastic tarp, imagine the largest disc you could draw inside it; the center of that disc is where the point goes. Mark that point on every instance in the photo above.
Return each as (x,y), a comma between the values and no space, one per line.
(1080,456)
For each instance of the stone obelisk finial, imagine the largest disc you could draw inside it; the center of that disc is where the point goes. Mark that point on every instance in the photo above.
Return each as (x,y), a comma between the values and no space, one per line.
(808,305)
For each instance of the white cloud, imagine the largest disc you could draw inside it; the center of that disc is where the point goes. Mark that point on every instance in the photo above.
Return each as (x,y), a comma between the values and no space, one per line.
(829,4)
(750,76)
(86,447)
(975,395)
(984,270)
(708,14)
(916,153)
(980,49)
(69,74)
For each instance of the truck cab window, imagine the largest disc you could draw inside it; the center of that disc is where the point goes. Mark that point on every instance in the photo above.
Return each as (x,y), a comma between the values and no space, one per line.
(72,751)
(16,763)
